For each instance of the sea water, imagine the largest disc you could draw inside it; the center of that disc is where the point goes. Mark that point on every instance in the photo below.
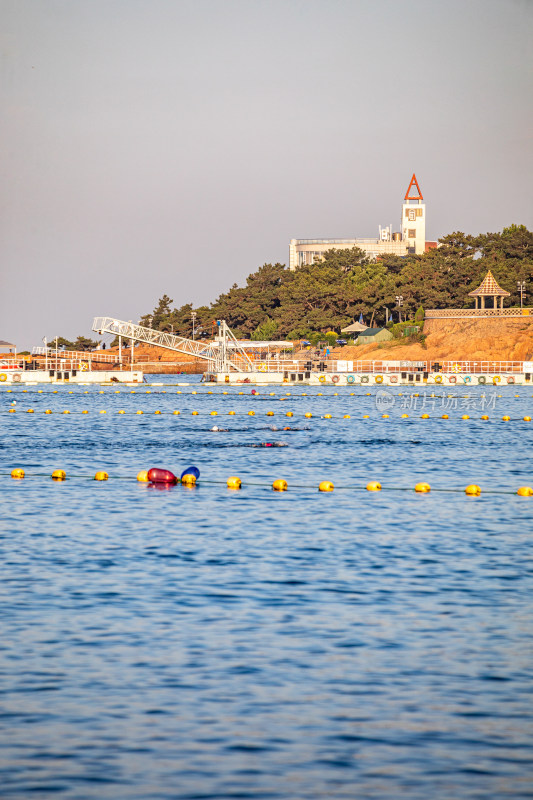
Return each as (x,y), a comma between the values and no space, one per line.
(209,643)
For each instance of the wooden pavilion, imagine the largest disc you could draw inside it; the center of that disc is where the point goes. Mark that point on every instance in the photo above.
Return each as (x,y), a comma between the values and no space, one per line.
(489,287)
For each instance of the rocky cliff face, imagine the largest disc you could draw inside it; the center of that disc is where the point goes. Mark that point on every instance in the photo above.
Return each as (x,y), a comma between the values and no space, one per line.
(496,339)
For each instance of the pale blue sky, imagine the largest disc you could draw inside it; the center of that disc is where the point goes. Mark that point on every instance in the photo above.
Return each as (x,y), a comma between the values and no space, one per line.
(153,146)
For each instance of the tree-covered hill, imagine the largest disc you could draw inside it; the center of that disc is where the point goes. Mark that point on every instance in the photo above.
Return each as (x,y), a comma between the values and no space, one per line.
(276,303)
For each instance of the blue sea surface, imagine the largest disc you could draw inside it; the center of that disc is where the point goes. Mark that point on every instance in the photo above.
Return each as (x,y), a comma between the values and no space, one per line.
(209,643)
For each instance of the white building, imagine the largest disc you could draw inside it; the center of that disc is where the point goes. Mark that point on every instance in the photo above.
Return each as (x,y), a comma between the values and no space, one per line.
(411,238)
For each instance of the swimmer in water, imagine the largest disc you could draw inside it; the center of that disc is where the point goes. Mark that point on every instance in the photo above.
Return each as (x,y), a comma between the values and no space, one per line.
(270,444)
(219,430)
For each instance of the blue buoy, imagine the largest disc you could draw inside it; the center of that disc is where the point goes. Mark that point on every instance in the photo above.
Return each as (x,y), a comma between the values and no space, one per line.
(191,471)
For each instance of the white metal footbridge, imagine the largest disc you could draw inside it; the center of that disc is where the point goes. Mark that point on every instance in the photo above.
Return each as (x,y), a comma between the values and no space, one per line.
(223,354)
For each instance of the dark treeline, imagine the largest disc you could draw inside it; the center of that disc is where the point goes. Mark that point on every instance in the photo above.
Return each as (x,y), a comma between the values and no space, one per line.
(276,303)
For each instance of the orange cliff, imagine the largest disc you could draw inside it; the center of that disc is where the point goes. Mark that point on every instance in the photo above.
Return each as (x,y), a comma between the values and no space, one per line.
(488,339)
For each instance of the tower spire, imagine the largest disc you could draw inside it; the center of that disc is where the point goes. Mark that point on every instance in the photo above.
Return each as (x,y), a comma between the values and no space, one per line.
(414,182)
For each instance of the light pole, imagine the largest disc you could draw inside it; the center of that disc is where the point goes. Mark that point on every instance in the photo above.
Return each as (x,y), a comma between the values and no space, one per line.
(193,317)
(521,288)
(399,303)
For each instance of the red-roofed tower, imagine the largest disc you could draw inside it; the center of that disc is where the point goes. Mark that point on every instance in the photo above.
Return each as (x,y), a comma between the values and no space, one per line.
(414,218)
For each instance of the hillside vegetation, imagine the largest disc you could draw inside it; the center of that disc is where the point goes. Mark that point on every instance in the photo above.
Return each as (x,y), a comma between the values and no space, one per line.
(276,303)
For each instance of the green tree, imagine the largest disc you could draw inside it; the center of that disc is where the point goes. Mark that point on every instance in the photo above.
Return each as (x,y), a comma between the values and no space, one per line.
(265,332)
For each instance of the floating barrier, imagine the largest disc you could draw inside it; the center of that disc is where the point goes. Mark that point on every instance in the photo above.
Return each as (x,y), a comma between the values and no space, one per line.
(191,477)
(307,415)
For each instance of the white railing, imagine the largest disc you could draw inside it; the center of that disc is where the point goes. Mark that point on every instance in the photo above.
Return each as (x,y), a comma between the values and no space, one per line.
(474,313)
(79,355)
(391,367)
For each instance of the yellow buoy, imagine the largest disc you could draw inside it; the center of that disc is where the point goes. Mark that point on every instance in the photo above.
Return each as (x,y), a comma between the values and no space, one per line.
(30,411)
(85,411)
(12,410)
(325,486)
(231,413)
(506,418)
(188,479)
(241,393)
(327,416)
(121,411)
(101,476)
(194,392)
(213,413)
(234,482)
(157,412)
(366,416)
(485,416)
(140,412)
(59,474)
(524,491)
(405,416)
(18,472)
(374,486)
(473,490)
(425,416)
(270,413)
(279,485)
(289,414)
(143,476)
(194,413)
(103,411)
(66,411)
(465,416)
(385,416)
(48,411)
(251,413)
(527,419)
(346,416)
(175,412)
(422,487)
(308,415)
(445,416)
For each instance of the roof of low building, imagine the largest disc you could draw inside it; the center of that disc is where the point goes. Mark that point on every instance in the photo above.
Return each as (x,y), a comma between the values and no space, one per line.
(354,327)
(489,287)
(371,331)
(6,344)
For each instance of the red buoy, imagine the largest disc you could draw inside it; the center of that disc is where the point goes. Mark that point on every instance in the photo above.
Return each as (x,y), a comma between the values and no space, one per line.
(156,475)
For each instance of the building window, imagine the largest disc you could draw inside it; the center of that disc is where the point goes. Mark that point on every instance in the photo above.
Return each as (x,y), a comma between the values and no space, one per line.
(419,212)
(411,233)
(412,214)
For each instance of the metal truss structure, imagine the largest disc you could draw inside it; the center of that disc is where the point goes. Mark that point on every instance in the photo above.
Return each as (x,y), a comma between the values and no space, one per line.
(223,354)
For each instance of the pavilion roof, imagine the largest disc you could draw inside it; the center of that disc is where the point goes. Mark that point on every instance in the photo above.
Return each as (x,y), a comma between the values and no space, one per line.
(489,287)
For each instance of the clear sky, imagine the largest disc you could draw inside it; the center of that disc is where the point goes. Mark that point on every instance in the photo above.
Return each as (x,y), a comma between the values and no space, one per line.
(152,146)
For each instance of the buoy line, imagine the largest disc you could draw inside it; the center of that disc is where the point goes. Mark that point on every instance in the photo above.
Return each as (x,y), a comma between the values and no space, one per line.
(190,476)
(252,413)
